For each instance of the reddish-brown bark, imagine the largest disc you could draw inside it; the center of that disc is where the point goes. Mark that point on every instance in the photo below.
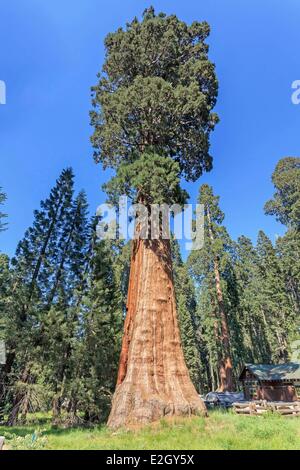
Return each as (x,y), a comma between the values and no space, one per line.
(225,363)
(153,379)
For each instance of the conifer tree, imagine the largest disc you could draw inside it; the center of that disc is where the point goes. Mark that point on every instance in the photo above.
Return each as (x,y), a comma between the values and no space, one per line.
(252,324)
(285,204)
(288,250)
(187,314)
(46,272)
(273,299)
(152,119)
(286,208)
(210,262)
(102,331)
(37,254)
(63,322)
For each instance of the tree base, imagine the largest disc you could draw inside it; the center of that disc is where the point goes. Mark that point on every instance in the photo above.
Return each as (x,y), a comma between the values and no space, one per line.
(132,408)
(153,378)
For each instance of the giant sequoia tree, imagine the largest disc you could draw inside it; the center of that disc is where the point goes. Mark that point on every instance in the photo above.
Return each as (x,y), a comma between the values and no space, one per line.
(152,118)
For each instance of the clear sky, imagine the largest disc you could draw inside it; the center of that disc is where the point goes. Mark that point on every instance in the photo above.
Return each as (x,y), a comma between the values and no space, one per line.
(51,51)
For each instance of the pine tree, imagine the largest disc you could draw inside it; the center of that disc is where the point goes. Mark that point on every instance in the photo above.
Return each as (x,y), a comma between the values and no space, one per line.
(209,344)
(61,329)
(210,262)
(288,250)
(42,273)
(188,321)
(152,119)
(273,299)
(102,331)
(285,206)
(37,254)
(252,324)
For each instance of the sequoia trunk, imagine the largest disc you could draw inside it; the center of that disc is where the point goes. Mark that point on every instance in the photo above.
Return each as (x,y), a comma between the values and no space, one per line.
(225,363)
(153,379)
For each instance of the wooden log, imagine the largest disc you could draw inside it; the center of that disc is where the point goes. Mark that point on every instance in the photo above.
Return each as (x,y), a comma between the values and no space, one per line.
(260,407)
(287,412)
(240,405)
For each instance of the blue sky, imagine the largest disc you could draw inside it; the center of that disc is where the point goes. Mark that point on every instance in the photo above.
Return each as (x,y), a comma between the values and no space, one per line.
(51,52)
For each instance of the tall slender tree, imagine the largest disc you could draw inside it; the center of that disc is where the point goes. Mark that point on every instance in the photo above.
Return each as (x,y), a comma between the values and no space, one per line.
(152,119)
(210,262)
(46,273)
(273,298)
(62,315)
(102,330)
(252,323)
(187,314)
(285,206)
(288,251)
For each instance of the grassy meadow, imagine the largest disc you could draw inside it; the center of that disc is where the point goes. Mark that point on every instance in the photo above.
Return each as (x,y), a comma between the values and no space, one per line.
(220,431)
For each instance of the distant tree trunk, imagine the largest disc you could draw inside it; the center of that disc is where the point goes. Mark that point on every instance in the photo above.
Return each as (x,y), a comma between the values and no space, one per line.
(153,379)
(56,409)
(225,363)
(13,417)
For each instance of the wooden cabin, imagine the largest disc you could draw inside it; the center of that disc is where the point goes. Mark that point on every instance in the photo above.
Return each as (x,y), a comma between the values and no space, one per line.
(270,382)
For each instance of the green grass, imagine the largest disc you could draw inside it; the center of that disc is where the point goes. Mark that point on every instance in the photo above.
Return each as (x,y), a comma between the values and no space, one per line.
(221,430)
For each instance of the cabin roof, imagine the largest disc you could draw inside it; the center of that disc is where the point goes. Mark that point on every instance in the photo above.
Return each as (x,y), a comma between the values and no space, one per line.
(272,372)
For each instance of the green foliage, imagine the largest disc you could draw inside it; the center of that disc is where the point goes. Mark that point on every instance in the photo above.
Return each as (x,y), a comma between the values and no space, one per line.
(288,250)
(260,287)
(63,297)
(151,179)
(43,319)
(274,303)
(102,326)
(285,204)
(157,89)
(186,310)
(251,321)
(34,441)
(217,249)
(222,430)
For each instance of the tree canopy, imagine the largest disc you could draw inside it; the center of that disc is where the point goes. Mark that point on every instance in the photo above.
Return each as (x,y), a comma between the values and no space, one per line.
(285,204)
(156,91)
